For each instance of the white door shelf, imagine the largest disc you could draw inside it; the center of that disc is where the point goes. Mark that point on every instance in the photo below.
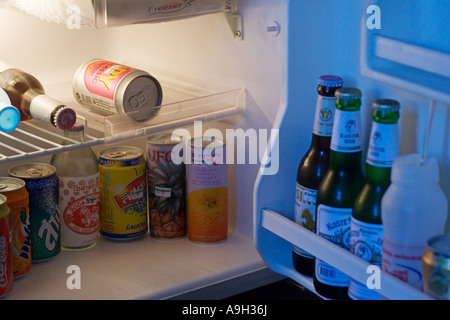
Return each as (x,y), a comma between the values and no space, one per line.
(294,234)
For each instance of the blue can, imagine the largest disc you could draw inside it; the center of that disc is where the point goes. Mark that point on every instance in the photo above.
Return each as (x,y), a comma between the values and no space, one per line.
(42,185)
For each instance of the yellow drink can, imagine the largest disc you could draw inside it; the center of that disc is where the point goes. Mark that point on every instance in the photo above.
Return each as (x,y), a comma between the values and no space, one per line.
(123,193)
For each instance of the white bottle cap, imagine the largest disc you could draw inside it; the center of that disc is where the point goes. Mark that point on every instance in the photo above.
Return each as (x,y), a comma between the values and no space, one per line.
(412,169)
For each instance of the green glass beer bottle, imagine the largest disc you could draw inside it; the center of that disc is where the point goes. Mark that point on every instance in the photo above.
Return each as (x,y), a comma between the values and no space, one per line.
(313,166)
(339,189)
(366,236)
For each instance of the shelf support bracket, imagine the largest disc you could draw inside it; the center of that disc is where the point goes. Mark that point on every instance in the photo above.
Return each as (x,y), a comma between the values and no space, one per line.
(235,22)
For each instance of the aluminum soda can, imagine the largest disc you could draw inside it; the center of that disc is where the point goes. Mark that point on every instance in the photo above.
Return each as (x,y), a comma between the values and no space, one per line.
(123,193)
(42,185)
(113,88)
(207,191)
(436,267)
(19,223)
(6,258)
(166,187)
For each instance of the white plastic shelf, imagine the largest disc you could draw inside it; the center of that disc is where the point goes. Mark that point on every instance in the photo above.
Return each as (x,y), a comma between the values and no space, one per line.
(185,100)
(294,234)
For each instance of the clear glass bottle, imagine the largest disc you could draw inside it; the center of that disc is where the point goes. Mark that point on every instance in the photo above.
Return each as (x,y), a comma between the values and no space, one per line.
(366,235)
(339,189)
(28,96)
(79,189)
(313,166)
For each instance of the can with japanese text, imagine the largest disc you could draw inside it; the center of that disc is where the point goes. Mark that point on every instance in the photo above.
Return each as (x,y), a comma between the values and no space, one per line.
(6,259)
(207,191)
(436,267)
(123,193)
(166,187)
(42,185)
(113,88)
(19,223)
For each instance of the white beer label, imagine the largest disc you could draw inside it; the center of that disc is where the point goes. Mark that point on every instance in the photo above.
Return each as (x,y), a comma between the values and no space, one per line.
(323,121)
(333,224)
(305,212)
(366,241)
(347,132)
(383,145)
(79,202)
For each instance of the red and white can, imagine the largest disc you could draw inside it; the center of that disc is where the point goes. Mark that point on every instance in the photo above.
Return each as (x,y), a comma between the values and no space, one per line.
(111,88)
(6,258)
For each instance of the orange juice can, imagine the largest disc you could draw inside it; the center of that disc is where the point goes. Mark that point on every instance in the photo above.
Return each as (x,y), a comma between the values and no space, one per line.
(19,223)
(207,191)
(123,193)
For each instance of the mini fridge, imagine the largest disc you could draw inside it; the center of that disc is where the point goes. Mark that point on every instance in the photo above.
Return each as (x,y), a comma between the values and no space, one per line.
(249,69)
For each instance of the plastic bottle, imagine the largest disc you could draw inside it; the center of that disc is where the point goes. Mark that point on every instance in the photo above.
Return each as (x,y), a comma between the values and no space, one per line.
(414,209)
(339,189)
(313,166)
(28,96)
(78,175)
(366,235)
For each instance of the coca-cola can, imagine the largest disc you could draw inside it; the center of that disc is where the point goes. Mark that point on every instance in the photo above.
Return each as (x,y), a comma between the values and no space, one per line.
(6,259)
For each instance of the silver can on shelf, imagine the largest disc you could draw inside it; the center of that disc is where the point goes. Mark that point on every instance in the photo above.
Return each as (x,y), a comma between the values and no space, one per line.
(111,88)
(436,267)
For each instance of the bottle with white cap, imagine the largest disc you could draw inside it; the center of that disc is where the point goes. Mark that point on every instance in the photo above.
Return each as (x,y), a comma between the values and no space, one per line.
(28,96)
(9,115)
(413,209)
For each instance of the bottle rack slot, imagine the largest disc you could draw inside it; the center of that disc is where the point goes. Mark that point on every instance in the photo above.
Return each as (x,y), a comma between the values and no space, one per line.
(294,234)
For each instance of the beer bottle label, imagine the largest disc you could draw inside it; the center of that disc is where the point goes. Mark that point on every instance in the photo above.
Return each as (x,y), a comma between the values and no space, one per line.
(305,212)
(366,241)
(383,145)
(333,224)
(323,121)
(347,134)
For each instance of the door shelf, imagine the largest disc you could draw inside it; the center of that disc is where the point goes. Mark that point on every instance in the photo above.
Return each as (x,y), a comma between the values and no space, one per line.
(294,234)
(185,100)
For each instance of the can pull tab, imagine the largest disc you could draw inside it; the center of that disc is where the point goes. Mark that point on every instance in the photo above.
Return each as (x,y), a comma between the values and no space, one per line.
(34,172)
(117,154)
(3,186)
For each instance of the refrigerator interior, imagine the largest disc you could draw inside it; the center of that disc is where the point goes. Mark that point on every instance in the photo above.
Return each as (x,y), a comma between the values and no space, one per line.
(406,59)
(206,74)
(270,76)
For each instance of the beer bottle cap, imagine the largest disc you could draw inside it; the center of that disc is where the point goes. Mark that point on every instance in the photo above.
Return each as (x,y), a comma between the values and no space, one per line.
(386,105)
(348,93)
(65,118)
(330,81)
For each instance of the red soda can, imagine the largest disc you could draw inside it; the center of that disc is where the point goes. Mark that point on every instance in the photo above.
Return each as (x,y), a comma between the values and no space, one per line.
(6,259)
(19,223)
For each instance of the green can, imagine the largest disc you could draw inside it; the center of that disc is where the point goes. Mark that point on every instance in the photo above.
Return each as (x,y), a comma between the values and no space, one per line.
(42,185)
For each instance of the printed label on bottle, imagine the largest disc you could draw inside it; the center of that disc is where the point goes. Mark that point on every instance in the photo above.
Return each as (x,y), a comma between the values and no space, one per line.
(347,132)
(305,212)
(79,201)
(334,225)
(366,241)
(383,145)
(403,262)
(323,121)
